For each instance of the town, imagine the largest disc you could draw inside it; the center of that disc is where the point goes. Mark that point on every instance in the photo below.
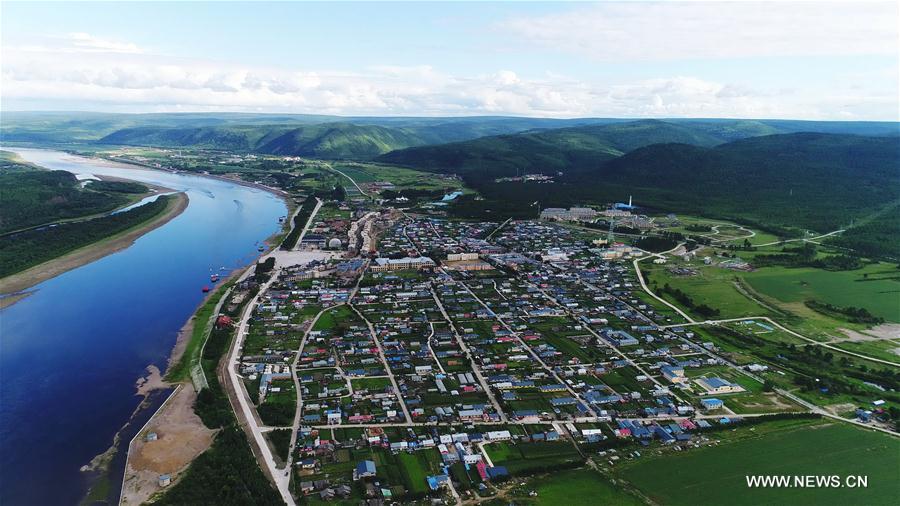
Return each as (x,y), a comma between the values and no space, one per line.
(393,357)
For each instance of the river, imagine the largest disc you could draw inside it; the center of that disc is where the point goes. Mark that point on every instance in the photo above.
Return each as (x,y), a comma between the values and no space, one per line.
(71,352)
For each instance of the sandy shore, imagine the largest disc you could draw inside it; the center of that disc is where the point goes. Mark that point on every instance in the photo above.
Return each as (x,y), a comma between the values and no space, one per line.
(181,437)
(19,282)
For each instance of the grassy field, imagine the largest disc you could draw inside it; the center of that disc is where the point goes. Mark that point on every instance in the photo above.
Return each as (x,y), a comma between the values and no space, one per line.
(577,487)
(875,287)
(202,324)
(400,177)
(716,475)
(779,292)
(330,319)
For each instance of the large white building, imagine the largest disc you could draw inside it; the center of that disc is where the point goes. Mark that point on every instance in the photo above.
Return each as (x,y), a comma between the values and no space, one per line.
(390,264)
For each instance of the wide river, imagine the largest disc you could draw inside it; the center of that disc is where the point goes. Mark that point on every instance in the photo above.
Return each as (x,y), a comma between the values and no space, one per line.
(71,352)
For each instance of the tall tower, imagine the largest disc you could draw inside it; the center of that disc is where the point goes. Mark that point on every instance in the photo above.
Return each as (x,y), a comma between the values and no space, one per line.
(629,201)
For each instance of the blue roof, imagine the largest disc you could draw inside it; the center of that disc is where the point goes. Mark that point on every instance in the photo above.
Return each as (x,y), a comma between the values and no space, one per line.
(716,382)
(497,471)
(365,467)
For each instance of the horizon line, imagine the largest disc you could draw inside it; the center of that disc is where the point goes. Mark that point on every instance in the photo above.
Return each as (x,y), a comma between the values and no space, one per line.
(462,116)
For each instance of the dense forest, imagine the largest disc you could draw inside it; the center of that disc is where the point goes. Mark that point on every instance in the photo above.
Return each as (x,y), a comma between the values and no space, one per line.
(35,197)
(789,183)
(22,250)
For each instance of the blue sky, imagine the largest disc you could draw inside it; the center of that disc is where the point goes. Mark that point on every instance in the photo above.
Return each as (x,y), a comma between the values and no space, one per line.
(814,60)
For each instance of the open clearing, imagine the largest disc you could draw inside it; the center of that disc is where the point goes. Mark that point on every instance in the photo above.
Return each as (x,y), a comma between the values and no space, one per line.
(875,287)
(578,487)
(716,475)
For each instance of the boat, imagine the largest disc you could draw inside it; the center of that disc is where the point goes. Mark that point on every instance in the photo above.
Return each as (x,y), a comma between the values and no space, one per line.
(205,289)
(213,278)
(261,248)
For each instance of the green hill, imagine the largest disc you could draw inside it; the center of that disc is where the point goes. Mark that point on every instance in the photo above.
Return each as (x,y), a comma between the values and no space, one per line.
(548,151)
(326,140)
(339,140)
(810,181)
(86,127)
(816,181)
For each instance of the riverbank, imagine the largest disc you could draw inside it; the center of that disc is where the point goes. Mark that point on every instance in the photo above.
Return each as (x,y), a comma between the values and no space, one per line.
(13,288)
(132,163)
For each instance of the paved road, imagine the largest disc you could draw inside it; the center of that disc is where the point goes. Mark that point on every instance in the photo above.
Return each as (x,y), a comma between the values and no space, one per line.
(789,331)
(351,180)
(808,239)
(640,276)
(538,359)
(309,222)
(465,349)
(387,367)
(281,477)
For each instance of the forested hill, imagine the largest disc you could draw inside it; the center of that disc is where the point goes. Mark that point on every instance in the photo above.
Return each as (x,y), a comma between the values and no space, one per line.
(327,140)
(817,181)
(548,151)
(814,181)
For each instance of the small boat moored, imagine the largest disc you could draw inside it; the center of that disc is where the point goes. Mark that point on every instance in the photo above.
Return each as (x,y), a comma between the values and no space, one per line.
(205,289)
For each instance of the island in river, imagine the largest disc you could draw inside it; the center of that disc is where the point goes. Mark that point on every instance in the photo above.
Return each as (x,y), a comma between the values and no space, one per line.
(13,287)
(52,221)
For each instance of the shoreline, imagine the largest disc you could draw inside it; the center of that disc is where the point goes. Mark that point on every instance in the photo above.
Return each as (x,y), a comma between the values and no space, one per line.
(16,286)
(153,383)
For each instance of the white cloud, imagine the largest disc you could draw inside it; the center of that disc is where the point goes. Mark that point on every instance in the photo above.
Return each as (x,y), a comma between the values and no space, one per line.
(121,77)
(658,31)
(89,43)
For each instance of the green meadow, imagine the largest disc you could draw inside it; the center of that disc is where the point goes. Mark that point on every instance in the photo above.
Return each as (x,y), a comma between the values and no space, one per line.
(875,287)
(716,475)
(577,487)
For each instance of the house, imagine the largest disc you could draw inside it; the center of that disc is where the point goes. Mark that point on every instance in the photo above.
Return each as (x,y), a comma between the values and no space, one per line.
(674,374)
(164,480)
(712,403)
(717,385)
(497,472)
(437,481)
(498,435)
(365,469)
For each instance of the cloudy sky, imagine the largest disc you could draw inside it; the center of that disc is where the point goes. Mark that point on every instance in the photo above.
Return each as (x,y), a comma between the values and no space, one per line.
(809,60)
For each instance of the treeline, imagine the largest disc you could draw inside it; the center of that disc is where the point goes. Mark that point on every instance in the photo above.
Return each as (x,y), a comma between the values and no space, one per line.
(117,187)
(849,313)
(805,256)
(227,473)
(306,209)
(813,369)
(662,242)
(819,370)
(261,273)
(32,247)
(875,239)
(686,301)
(756,420)
(698,227)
